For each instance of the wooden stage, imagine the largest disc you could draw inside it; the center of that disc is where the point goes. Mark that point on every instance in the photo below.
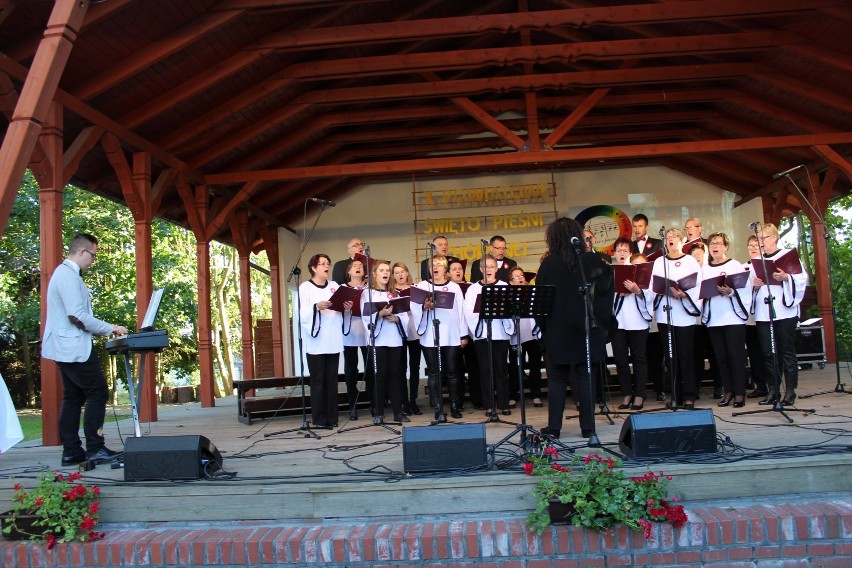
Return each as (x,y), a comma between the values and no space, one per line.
(359,474)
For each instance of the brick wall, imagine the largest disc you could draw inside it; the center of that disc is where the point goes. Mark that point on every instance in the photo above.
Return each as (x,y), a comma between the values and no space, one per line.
(799,533)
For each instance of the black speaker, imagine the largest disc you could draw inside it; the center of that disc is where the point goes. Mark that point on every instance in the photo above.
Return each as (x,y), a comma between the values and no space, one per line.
(443,448)
(169,457)
(668,434)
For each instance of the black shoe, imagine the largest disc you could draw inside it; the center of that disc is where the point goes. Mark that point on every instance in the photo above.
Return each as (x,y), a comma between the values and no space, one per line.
(623,406)
(455,412)
(416,410)
(718,393)
(353,414)
(769,400)
(74,459)
(758,393)
(789,399)
(401,418)
(637,406)
(739,404)
(538,404)
(506,412)
(725,401)
(105,455)
(661,397)
(549,432)
(406,410)
(689,405)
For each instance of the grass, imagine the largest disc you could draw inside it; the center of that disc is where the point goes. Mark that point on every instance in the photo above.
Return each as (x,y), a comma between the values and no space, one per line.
(31,420)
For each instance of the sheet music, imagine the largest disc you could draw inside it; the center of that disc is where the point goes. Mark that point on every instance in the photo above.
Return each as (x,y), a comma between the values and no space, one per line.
(153,308)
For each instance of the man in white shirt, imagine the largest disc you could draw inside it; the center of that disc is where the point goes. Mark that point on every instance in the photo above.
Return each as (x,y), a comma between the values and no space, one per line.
(69,326)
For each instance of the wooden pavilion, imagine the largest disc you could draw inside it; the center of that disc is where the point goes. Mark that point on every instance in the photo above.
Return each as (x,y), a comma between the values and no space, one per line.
(225,115)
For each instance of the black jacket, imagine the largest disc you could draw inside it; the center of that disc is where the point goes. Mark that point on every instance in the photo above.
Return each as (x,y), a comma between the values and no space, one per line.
(564,331)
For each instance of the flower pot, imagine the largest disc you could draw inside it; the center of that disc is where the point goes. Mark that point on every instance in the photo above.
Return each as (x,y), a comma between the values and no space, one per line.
(560,513)
(23,526)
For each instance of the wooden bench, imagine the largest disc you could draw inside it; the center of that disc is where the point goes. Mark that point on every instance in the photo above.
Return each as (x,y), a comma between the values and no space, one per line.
(281,402)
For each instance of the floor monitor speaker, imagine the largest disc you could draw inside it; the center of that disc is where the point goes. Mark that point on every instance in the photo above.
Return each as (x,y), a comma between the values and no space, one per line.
(668,433)
(443,448)
(169,457)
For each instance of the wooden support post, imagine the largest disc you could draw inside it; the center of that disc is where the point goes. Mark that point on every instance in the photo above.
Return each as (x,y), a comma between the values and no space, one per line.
(143,216)
(36,99)
(243,236)
(270,243)
(51,190)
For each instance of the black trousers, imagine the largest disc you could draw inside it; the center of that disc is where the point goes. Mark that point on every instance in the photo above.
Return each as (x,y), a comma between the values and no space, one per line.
(450,356)
(785,348)
(350,371)
(756,360)
(387,379)
(498,360)
(656,357)
(83,384)
(410,388)
(469,380)
(531,353)
(323,371)
(683,364)
(729,346)
(630,345)
(557,384)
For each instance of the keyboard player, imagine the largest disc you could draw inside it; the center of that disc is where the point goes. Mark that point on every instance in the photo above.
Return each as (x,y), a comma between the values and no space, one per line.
(67,339)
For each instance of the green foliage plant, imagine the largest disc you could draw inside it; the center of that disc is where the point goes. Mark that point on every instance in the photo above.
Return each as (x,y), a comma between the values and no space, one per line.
(600,493)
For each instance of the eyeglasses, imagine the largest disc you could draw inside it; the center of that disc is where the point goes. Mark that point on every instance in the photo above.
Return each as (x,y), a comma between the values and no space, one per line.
(497,248)
(94,254)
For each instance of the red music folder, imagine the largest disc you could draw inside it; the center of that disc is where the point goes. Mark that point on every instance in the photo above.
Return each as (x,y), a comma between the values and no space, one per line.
(789,262)
(709,289)
(398,305)
(654,255)
(687,246)
(346,294)
(368,266)
(638,273)
(661,285)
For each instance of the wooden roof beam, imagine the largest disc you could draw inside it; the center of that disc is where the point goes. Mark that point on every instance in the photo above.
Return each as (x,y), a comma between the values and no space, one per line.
(598,78)
(733,170)
(823,55)
(835,159)
(522,158)
(155,52)
(582,110)
(809,91)
(696,10)
(540,54)
(794,117)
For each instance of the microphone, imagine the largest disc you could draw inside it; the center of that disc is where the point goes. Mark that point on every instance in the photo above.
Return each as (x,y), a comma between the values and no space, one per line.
(431,246)
(663,232)
(785,172)
(323,202)
(754,226)
(484,242)
(575,241)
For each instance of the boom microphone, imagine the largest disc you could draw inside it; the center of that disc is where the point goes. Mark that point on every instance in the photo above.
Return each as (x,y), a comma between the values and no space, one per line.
(663,232)
(754,226)
(484,242)
(575,241)
(785,172)
(323,202)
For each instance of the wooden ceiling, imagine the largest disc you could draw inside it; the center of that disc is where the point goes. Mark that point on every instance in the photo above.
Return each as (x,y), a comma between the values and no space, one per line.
(270,102)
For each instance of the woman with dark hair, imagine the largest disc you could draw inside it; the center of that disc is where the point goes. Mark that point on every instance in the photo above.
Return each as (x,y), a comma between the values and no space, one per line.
(564,330)
(354,340)
(322,333)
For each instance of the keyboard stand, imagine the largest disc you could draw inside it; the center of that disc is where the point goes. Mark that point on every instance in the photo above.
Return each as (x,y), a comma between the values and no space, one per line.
(134,388)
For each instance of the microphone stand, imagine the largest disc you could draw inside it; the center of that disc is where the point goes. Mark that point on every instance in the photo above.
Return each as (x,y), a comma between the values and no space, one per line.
(378,419)
(671,367)
(296,271)
(769,300)
(590,324)
(440,417)
(829,236)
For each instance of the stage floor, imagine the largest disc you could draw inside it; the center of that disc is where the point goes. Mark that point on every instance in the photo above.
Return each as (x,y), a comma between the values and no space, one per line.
(360,473)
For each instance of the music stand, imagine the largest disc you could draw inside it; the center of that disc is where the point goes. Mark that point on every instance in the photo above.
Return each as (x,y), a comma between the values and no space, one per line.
(516,302)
